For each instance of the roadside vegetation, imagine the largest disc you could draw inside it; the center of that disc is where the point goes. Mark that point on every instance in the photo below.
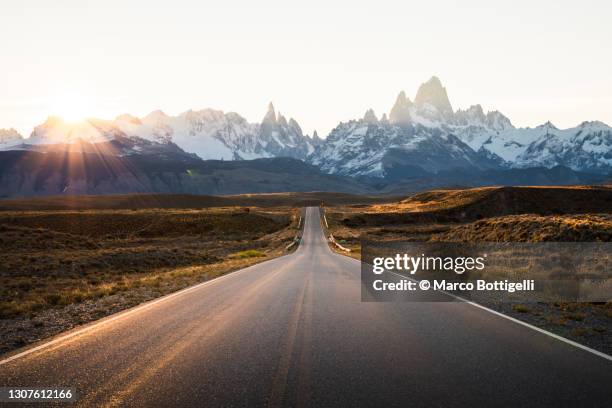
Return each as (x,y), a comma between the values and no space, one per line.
(59,269)
(497,214)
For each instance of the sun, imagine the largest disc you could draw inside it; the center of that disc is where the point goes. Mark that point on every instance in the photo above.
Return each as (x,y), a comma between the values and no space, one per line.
(71,106)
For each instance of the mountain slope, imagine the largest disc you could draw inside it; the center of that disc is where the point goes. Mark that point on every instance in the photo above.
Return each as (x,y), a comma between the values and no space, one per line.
(209,134)
(427,136)
(9,138)
(31,173)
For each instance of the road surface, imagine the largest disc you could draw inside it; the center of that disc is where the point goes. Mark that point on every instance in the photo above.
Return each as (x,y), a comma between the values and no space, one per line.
(293,332)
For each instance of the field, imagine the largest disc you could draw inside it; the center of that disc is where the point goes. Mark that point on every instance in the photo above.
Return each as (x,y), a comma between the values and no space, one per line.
(66,261)
(497,214)
(62,268)
(175,201)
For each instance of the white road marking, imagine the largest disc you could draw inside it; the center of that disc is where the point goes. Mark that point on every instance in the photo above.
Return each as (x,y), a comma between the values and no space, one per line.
(540,330)
(218,279)
(128,312)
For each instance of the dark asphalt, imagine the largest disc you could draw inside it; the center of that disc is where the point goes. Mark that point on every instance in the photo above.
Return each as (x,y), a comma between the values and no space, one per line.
(293,332)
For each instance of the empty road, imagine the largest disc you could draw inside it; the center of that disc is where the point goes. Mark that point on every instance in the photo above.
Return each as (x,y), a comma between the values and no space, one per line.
(293,332)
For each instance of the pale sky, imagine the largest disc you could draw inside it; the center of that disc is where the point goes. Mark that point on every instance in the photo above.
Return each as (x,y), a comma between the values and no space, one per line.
(320,62)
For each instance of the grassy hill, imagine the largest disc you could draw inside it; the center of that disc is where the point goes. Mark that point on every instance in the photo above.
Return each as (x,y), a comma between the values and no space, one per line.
(467,205)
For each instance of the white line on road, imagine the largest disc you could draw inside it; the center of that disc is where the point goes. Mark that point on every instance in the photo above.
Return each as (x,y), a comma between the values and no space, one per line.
(553,335)
(127,313)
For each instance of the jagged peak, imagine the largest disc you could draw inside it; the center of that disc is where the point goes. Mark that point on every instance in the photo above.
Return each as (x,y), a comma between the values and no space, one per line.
(270,116)
(156,115)
(433,93)
(476,109)
(434,80)
(10,135)
(370,116)
(593,123)
(11,131)
(281,119)
(402,99)
(127,118)
(400,112)
(547,125)
(293,123)
(499,121)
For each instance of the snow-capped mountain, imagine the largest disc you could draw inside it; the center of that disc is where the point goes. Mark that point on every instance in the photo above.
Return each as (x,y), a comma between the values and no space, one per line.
(209,134)
(424,137)
(378,148)
(9,138)
(279,137)
(428,136)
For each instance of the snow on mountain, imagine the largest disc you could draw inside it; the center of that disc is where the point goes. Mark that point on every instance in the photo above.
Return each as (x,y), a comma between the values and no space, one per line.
(58,131)
(432,100)
(277,137)
(9,138)
(400,112)
(208,133)
(215,135)
(426,135)
(464,139)
(586,147)
(377,149)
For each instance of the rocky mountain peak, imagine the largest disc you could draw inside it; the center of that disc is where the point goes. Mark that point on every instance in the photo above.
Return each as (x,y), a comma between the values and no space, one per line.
(127,118)
(497,121)
(270,116)
(156,115)
(547,126)
(10,136)
(370,116)
(295,126)
(433,93)
(400,112)
(281,120)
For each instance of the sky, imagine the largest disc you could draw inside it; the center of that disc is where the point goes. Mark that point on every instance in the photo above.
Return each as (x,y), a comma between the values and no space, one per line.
(320,62)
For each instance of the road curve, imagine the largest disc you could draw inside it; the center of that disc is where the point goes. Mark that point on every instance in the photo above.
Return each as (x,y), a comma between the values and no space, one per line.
(293,332)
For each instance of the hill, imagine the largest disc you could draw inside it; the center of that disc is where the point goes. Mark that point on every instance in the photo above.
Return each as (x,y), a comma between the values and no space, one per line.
(30,173)
(467,205)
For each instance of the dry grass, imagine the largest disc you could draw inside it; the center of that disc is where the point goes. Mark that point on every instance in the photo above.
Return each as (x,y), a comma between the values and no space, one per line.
(533,228)
(249,253)
(509,214)
(459,206)
(185,201)
(54,259)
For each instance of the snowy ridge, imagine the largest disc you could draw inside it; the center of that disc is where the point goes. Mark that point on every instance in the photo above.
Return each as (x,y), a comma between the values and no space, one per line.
(424,137)
(9,138)
(209,134)
(440,139)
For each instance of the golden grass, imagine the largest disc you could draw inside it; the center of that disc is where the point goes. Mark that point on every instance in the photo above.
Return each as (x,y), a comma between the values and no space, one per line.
(53,259)
(478,203)
(533,228)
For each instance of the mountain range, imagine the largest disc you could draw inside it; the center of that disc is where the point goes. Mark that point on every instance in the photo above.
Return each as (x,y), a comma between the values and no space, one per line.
(428,136)
(424,142)
(208,133)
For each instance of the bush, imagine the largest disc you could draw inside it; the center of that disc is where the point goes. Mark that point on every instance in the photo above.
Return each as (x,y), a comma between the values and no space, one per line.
(250,253)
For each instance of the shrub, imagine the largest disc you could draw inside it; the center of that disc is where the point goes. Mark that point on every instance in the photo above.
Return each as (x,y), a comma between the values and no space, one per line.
(250,253)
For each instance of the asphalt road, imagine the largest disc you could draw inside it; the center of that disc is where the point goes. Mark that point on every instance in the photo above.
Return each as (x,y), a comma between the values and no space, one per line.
(293,332)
